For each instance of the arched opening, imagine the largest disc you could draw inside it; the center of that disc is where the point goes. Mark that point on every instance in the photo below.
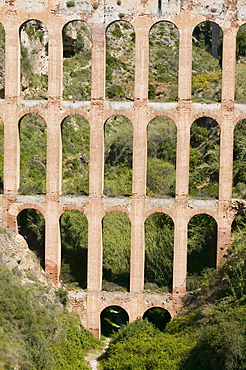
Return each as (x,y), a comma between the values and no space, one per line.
(112,318)
(74,243)
(34,60)
(32,130)
(206,62)
(75,155)
(120,54)
(1,154)
(158,316)
(204,158)
(116,229)
(239,161)
(31,225)
(118,156)
(2,61)
(76,61)
(202,247)
(240,95)
(159,241)
(161,159)
(163,62)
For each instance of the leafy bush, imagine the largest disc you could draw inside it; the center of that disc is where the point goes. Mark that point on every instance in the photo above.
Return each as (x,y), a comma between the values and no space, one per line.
(70,3)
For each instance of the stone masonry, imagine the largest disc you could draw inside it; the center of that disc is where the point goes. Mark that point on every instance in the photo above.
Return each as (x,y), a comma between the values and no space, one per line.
(142,14)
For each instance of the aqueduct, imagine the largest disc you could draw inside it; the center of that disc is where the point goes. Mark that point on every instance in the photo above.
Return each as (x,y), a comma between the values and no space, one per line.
(142,14)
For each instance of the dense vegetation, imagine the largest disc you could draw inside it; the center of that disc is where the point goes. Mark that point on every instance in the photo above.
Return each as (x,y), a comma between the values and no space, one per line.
(36,332)
(209,333)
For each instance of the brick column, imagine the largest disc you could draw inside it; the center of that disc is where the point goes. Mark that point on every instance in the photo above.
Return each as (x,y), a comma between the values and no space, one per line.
(11,149)
(98,61)
(185,63)
(180,248)
(224,231)
(93,315)
(183,151)
(137,247)
(55,67)
(12,59)
(12,91)
(96,175)
(94,269)
(139,165)
(52,241)
(142,27)
(228,65)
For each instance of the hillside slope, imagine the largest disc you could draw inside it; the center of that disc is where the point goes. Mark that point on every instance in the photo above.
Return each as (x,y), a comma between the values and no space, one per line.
(37,332)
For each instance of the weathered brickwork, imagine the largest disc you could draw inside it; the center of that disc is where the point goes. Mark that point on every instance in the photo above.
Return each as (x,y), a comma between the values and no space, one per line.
(142,14)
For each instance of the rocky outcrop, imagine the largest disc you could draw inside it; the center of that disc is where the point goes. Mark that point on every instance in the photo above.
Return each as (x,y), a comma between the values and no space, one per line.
(16,255)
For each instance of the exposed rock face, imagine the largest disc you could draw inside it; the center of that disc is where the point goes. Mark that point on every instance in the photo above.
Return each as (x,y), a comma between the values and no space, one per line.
(34,37)
(15,254)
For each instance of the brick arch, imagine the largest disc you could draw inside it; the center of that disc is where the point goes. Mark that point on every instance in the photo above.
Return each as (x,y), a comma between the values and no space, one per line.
(117,209)
(128,115)
(77,112)
(204,114)
(74,207)
(211,20)
(39,19)
(30,206)
(114,115)
(169,115)
(159,306)
(159,210)
(164,21)
(128,20)
(207,212)
(82,19)
(123,305)
(22,114)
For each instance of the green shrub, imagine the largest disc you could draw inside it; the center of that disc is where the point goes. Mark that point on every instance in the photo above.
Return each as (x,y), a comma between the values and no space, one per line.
(70,3)
(95,6)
